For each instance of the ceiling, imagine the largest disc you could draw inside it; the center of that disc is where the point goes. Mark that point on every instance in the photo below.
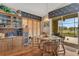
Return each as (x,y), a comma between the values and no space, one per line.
(40,9)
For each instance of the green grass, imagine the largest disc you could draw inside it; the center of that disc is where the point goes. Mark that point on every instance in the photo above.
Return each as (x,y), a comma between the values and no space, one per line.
(68,33)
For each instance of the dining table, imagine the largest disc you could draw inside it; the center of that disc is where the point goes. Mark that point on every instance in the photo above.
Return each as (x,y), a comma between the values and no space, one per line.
(55,39)
(51,38)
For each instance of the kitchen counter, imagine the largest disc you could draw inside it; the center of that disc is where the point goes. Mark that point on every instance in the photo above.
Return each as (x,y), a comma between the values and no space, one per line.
(10,44)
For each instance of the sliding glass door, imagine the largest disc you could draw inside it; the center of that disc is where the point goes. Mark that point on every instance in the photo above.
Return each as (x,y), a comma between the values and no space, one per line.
(30,27)
(34,28)
(38,28)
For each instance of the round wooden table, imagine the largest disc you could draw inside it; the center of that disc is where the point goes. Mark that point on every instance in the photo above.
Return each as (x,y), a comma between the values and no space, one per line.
(56,41)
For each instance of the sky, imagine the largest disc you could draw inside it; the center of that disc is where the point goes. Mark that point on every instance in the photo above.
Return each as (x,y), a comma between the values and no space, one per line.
(69,22)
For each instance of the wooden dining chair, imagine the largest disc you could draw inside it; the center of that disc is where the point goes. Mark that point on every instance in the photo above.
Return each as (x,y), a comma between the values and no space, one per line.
(61,44)
(49,48)
(40,46)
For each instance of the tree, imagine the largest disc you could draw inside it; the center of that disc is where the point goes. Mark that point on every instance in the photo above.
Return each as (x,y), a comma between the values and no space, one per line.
(71,28)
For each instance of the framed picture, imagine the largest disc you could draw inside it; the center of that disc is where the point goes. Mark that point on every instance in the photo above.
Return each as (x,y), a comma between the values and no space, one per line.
(46,24)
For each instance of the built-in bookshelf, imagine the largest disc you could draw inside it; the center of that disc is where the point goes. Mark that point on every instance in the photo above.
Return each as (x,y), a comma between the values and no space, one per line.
(10,24)
(17,22)
(4,21)
(10,21)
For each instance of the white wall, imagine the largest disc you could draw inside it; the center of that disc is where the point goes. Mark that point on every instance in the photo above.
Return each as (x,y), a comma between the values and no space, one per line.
(45,29)
(73,40)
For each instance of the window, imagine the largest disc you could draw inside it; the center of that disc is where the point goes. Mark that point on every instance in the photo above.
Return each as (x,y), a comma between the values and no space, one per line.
(68,27)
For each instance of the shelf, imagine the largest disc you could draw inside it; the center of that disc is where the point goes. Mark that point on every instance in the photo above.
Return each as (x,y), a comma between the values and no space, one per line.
(5,30)
(10,21)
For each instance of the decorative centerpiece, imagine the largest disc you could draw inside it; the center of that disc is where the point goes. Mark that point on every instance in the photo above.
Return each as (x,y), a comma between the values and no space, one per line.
(18,12)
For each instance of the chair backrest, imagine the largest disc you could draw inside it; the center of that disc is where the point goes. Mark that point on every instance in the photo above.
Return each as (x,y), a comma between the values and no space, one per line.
(41,43)
(53,45)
